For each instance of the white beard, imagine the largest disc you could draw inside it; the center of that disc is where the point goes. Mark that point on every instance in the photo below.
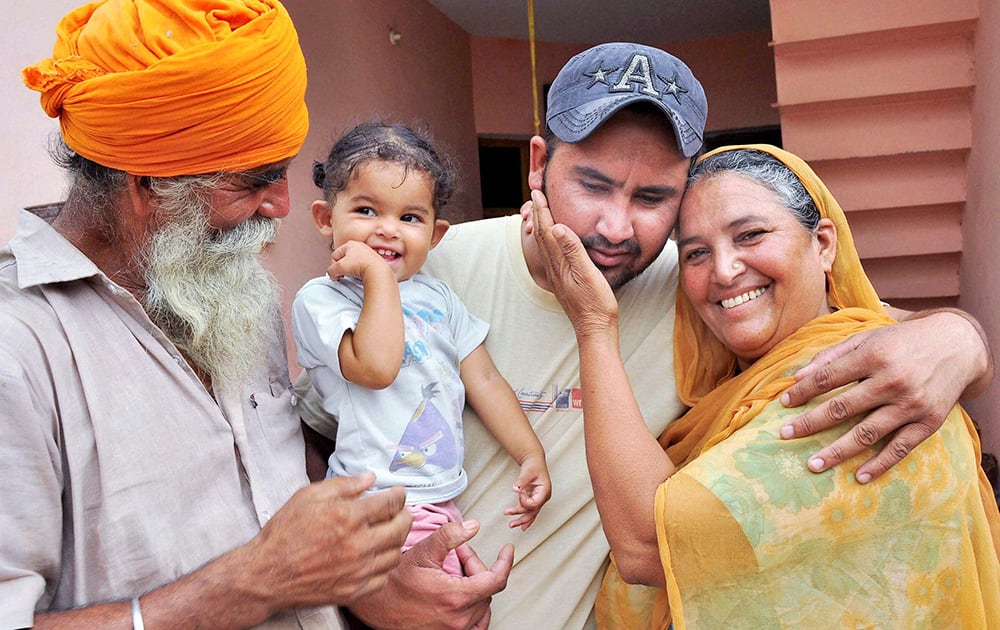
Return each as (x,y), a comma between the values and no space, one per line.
(209,293)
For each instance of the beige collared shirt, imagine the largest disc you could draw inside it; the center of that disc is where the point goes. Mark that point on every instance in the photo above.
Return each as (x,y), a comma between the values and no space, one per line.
(120,472)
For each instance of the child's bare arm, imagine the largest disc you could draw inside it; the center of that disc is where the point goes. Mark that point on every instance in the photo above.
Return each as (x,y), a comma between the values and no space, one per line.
(372,353)
(496,404)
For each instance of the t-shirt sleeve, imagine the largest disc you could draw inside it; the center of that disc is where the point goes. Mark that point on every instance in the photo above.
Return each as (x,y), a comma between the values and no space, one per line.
(309,405)
(469,331)
(321,313)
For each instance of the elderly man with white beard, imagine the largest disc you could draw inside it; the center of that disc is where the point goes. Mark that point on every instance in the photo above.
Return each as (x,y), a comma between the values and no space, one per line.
(152,456)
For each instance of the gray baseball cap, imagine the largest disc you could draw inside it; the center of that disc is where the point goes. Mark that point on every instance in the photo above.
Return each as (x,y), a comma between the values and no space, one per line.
(598,82)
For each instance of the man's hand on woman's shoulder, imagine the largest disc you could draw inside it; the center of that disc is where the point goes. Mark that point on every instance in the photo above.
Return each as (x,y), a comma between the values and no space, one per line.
(909,376)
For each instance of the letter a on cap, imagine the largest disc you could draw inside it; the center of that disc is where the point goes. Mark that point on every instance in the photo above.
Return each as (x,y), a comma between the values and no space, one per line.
(638,71)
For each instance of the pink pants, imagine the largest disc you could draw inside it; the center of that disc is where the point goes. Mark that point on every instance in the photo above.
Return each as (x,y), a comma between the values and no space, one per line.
(427,517)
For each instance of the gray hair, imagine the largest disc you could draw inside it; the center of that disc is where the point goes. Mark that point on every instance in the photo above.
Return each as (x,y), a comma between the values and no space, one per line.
(99,187)
(92,186)
(769,172)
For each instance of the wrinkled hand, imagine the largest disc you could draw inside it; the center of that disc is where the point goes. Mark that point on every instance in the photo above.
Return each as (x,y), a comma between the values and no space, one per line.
(330,544)
(533,488)
(353,259)
(580,287)
(910,376)
(421,595)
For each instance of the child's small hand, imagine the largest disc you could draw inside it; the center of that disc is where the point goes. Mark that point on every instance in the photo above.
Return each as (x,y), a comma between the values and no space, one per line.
(533,488)
(353,259)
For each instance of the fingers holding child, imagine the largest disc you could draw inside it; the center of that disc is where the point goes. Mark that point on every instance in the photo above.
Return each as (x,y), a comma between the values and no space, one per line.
(331,543)
(420,594)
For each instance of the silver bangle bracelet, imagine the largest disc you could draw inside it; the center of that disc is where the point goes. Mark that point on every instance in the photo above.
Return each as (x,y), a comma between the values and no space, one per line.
(137,615)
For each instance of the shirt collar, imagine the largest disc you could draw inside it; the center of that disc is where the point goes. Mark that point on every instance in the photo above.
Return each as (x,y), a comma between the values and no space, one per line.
(44,256)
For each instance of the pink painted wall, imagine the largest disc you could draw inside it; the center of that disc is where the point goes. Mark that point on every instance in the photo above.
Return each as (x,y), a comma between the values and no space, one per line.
(501,83)
(980,268)
(355,74)
(737,73)
(29,176)
(894,104)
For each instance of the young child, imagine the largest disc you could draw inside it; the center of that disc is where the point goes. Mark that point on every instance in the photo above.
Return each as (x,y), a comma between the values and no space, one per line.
(393,353)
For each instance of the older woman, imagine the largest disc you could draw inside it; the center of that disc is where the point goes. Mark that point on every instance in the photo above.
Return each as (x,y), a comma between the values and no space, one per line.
(728,518)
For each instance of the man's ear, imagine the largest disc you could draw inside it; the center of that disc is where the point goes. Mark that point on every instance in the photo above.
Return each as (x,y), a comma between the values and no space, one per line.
(826,236)
(141,197)
(322,217)
(537,159)
(440,228)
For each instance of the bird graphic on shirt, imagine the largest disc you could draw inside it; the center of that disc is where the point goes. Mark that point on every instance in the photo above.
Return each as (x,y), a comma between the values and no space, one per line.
(427,439)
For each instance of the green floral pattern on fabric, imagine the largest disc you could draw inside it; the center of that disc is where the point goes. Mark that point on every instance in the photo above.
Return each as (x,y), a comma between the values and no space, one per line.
(829,551)
(781,470)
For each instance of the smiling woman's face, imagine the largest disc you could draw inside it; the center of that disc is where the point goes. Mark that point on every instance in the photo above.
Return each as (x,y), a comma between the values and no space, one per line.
(753,273)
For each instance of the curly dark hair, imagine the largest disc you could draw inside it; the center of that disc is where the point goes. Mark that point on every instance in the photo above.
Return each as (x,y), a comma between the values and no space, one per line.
(391,142)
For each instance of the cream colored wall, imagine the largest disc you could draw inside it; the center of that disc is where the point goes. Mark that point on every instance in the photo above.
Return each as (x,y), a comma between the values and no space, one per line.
(29,177)
(980,267)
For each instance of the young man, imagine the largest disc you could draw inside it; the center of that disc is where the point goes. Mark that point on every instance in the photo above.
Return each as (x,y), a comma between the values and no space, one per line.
(624,122)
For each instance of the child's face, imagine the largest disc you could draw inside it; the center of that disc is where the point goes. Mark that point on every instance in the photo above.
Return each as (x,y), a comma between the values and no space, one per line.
(388,208)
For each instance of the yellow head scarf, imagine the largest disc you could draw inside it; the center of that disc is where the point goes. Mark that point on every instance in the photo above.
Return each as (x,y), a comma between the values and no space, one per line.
(701,361)
(163,88)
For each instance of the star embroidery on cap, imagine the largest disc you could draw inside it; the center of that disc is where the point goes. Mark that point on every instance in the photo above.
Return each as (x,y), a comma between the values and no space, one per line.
(599,75)
(672,87)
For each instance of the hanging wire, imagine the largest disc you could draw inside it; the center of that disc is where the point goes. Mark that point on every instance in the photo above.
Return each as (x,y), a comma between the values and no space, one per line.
(534,70)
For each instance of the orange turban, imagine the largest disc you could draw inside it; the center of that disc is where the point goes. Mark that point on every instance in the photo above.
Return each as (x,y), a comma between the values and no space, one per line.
(182,87)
